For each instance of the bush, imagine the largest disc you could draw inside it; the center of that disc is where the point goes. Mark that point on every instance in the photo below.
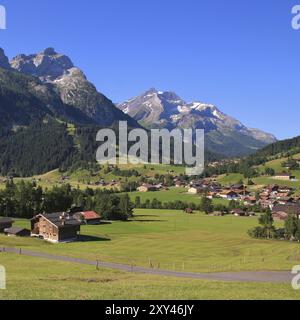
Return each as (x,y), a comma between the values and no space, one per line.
(257,233)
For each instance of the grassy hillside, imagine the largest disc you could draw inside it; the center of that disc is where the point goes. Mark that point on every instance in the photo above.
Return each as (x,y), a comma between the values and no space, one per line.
(87,178)
(276,165)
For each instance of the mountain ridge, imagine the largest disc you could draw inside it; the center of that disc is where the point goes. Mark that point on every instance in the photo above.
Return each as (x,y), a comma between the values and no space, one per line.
(72,85)
(158,109)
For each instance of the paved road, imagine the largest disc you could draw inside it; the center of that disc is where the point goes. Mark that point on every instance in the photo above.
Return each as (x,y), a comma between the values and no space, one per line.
(260,276)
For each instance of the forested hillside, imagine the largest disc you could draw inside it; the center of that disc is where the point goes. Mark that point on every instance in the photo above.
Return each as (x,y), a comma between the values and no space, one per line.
(41,147)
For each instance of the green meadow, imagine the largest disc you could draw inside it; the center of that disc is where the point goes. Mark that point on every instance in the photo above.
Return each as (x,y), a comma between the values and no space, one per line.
(36,279)
(173,240)
(171,195)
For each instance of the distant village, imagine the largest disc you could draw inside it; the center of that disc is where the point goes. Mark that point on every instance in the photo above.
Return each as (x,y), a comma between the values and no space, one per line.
(279,199)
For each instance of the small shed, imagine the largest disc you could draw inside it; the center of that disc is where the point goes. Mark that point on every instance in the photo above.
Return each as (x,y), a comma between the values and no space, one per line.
(88,217)
(239,213)
(17,232)
(5,223)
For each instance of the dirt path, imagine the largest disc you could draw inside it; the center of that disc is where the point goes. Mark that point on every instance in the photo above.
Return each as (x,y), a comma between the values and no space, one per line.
(249,276)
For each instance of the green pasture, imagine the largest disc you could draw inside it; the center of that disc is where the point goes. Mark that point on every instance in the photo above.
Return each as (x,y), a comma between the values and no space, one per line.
(173,240)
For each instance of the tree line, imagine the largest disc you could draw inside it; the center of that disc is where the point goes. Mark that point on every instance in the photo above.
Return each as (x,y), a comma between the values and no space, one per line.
(267,229)
(26,199)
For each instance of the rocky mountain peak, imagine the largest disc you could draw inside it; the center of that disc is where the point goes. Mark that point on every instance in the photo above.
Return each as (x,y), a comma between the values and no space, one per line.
(4,62)
(49,51)
(48,65)
(151,91)
(58,71)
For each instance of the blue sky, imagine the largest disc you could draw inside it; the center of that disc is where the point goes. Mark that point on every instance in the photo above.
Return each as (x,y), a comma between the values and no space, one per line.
(241,55)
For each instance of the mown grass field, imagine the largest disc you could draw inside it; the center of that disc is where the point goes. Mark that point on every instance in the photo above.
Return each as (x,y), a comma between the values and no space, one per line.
(171,195)
(36,278)
(173,240)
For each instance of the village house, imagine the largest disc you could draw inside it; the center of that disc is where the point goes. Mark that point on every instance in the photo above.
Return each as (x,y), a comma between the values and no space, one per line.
(55,227)
(211,195)
(159,186)
(282,211)
(239,212)
(214,187)
(101,183)
(179,184)
(284,176)
(196,190)
(5,223)
(285,200)
(285,189)
(238,186)
(229,195)
(198,183)
(242,193)
(271,188)
(88,217)
(249,201)
(147,188)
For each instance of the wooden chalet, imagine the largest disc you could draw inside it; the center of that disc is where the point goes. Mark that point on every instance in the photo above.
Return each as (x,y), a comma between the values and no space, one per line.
(55,227)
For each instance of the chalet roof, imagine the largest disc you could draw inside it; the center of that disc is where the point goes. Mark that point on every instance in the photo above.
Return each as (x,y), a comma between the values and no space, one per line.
(90,215)
(241,191)
(285,188)
(55,218)
(250,199)
(227,192)
(198,187)
(291,208)
(282,174)
(272,186)
(237,186)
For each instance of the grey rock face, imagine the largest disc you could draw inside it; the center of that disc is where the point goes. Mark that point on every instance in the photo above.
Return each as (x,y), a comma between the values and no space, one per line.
(47,65)
(4,62)
(74,88)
